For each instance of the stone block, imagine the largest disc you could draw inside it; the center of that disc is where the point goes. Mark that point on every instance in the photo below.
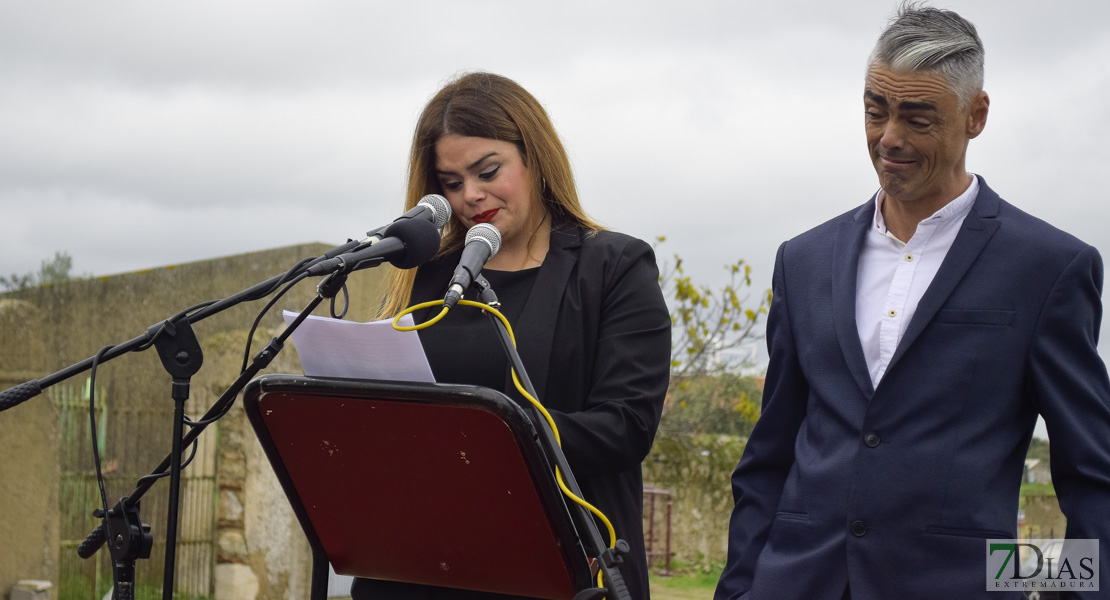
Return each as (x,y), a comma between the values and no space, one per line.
(31,589)
(233,468)
(235,582)
(231,545)
(231,508)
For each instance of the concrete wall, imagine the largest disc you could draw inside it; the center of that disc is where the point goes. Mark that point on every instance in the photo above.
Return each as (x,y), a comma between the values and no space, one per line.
(29,467)
(42,330)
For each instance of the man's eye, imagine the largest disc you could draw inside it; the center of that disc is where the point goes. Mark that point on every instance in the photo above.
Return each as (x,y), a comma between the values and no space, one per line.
(920,123)
(490,174)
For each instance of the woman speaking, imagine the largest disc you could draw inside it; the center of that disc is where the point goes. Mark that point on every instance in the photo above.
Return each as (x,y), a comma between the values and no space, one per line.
(589,318)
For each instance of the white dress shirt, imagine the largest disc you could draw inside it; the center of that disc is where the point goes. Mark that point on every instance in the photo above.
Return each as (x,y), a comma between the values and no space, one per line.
(892,276)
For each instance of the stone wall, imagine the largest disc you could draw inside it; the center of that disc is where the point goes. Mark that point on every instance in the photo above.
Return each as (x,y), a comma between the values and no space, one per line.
(261,552)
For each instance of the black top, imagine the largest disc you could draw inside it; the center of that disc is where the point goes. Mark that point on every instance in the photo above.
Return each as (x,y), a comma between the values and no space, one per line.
(467,332)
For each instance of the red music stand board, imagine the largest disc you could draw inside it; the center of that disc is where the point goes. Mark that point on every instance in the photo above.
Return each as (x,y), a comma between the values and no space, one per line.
(425,483)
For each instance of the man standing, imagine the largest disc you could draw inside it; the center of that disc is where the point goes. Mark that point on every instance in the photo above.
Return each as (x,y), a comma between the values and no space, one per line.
(913,342)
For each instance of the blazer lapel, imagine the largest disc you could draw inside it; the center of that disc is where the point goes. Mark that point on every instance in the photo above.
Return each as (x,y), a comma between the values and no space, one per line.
(535,330)
(849,241)
(978,228)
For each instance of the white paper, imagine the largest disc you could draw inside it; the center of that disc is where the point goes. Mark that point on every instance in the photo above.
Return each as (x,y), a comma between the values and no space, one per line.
(374,350)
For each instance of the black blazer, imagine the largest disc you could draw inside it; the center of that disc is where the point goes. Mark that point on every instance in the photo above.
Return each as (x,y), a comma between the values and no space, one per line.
(595,339)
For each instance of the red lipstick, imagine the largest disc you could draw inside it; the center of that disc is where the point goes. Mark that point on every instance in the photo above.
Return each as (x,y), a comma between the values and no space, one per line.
(486,217)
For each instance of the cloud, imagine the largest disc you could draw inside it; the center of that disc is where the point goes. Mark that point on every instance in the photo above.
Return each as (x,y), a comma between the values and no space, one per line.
(139,134)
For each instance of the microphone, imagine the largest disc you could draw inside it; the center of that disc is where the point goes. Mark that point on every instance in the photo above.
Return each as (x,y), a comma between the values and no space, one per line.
(432,208)
(406,243)
(482,242)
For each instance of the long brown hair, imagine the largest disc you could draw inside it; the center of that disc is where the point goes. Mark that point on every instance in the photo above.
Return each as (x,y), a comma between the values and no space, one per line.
(488,106)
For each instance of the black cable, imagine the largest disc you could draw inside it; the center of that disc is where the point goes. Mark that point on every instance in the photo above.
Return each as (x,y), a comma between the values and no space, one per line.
(96,457)
(262,313)
(151,338)
(207,422)
(192,455)
(192,309)
(295,274)
(346,303)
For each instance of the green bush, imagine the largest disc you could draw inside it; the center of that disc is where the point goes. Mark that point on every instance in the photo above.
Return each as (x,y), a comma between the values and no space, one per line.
(696,470)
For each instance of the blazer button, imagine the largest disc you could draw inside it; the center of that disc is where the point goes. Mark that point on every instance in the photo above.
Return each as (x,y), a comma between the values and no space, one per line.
(859,528)
(871,439)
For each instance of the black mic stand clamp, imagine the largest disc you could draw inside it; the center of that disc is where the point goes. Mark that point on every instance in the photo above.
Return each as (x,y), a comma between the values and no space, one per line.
(131,540)
(486,295)
(331,285)
(609,563)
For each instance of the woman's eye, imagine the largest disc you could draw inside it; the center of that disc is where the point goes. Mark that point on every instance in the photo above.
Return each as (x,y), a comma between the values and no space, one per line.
(451,185)
(490,174)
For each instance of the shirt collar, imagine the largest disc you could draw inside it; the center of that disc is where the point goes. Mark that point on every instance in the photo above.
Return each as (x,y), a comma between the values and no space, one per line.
(956,209)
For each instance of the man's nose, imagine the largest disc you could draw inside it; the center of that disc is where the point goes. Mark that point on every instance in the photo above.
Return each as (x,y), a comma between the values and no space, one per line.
(892,135)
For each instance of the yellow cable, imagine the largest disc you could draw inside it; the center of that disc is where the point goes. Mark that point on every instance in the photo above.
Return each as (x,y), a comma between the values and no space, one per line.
(418,326)
(520,388)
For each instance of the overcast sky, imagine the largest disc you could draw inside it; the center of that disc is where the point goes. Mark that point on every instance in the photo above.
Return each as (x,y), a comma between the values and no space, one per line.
(142,134)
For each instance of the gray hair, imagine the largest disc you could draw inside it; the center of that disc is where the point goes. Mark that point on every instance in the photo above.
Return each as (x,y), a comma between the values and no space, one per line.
(922,38)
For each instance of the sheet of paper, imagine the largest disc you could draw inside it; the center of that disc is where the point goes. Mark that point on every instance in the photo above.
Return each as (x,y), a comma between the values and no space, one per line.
(335,348)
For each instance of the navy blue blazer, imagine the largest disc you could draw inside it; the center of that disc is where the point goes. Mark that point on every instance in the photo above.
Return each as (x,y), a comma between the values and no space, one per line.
(895,489)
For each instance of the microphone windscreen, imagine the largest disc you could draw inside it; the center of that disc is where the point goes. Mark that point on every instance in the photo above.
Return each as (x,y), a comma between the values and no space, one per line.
(421,239)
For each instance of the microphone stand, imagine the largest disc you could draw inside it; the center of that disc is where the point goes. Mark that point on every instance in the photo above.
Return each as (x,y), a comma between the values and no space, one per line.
(328,288)
(609,559)
(180,353)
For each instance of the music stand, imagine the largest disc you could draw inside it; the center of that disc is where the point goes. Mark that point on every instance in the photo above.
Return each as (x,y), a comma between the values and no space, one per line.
(434,484)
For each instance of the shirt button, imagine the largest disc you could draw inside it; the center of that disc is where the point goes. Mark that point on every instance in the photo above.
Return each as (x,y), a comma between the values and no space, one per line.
(892,313)
(859,529)
(909,258)
(871,439)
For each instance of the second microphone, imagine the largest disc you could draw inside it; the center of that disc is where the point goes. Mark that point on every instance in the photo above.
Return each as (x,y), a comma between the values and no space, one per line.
(482,242)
